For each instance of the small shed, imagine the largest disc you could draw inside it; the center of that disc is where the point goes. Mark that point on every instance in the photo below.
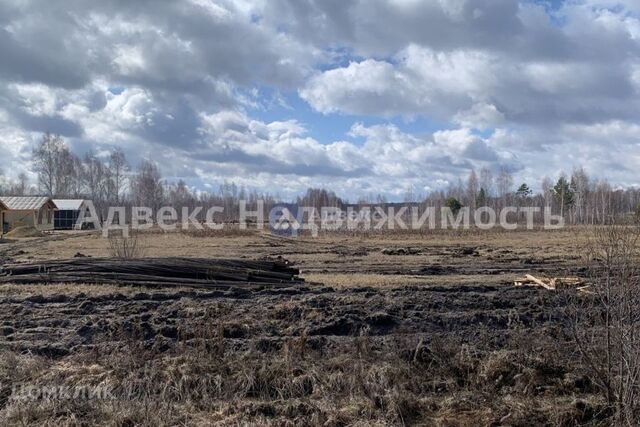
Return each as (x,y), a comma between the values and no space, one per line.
(32,211)
(68,212)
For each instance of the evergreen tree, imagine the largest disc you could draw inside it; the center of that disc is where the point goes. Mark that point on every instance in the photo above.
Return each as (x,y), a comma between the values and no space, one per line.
(481,201)
(524,191)
(453,204)
(564,194)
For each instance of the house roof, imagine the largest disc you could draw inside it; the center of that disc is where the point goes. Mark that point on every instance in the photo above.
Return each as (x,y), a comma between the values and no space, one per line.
(68,204)
(3,207)
(31,203)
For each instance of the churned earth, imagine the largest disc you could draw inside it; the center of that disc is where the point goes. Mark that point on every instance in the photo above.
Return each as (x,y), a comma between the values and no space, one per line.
(389,329)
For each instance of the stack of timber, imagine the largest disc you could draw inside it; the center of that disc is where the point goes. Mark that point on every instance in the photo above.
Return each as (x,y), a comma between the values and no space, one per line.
(188,272)
(553,283)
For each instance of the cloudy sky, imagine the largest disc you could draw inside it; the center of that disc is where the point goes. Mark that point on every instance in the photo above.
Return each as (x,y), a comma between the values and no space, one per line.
(363,96)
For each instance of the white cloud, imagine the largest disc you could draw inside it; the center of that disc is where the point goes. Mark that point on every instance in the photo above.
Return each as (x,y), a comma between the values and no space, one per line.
(480,116)
(554,77)
(37,99)
(494,83)
(423,82)
(448,85)
(368,87)
(129,59)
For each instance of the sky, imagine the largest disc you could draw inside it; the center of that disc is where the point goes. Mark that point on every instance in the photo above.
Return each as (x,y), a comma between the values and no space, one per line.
(360,96)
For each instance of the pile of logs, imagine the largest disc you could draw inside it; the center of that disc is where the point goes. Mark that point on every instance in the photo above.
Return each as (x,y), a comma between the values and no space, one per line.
(554,283)
(189,272)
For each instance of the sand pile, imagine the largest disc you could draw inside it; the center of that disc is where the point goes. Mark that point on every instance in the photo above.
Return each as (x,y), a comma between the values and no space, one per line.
(25,231)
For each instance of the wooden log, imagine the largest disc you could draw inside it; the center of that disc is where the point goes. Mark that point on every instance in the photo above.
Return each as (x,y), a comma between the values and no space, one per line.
(155,281)
(193,272)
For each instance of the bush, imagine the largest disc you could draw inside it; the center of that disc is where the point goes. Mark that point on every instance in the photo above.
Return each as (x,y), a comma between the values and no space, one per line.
(127,247)
(606,325)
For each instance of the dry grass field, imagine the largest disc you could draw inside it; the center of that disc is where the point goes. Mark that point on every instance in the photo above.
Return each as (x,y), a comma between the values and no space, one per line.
(389,329)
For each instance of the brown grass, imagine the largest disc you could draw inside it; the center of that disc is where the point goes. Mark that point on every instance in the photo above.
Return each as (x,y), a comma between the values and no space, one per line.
(355,280)
(233,364)
(24,232)
(203,379)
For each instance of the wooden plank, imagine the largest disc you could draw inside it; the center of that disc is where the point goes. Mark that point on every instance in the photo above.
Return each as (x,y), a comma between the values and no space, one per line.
(540,282)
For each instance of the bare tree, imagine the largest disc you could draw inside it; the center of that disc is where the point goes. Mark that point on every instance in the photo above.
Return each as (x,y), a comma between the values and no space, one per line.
(472,189)
(147,185)
(486,181)
(118,168)
(22,186)
(504,182)
(55,165)
(580,185)
(77,184)
(409,195)
(602,203)
(179,195)
(547,191)
(606,327)
(93,177)
(46,159)
(66,172)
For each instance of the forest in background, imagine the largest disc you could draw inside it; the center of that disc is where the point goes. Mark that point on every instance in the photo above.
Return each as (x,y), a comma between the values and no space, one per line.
(113,181)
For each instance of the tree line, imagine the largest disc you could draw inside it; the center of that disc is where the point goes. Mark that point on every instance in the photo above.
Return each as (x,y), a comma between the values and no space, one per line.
(110,180)
(577,197)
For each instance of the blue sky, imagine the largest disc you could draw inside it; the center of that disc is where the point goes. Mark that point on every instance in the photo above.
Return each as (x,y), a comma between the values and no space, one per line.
(333,127)
(361,96)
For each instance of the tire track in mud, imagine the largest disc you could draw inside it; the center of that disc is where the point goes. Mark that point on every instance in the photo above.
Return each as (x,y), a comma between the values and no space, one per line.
(56,325)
